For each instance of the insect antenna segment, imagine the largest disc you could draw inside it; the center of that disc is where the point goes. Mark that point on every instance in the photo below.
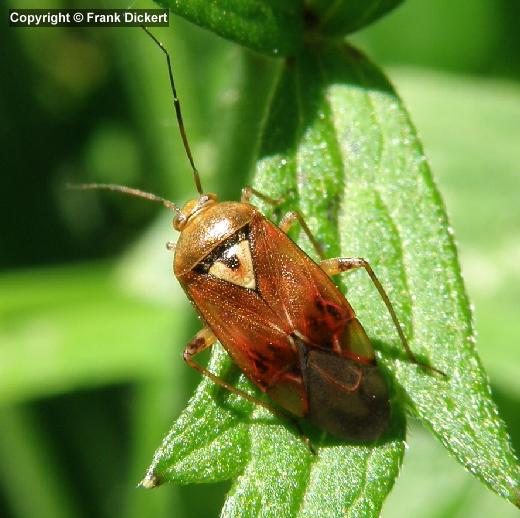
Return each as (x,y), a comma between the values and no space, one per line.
(178,112)
(125,190)
(143,194)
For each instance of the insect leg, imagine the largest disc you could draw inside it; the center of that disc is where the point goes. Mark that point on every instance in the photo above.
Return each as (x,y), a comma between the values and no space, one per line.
(248,191)
(178,112)
(288,221)
(204,339)
(343,264)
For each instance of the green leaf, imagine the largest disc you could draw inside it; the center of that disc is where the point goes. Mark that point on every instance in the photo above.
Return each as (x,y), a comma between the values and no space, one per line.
(487,233)
(272,27)
(338,144)
(354,157)
(221,436)
(341,17)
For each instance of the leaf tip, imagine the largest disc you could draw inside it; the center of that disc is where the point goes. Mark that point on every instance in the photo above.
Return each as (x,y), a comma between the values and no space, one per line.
(150,481)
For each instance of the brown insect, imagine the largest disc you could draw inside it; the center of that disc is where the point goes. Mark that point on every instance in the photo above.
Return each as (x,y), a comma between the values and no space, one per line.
(277,312)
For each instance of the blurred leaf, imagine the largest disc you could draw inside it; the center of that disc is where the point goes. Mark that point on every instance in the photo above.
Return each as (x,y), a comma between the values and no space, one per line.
(48,340)
(149,420)
(341,17)
(432,484)
(28,463)
(272,27)
(406,36)
(245,107)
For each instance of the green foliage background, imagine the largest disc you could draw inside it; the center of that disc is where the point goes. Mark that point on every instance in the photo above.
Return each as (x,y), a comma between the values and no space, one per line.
(92,323)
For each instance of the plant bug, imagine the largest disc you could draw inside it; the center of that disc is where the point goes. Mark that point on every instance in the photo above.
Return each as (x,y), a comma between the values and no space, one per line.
(276,311)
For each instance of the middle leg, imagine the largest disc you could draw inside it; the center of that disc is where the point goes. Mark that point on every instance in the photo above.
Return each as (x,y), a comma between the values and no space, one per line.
(343,264)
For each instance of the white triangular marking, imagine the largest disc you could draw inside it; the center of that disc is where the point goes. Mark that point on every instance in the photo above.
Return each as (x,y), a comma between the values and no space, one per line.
(235,265)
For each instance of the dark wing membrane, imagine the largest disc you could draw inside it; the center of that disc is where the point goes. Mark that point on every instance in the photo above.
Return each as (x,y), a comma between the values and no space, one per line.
(345,398)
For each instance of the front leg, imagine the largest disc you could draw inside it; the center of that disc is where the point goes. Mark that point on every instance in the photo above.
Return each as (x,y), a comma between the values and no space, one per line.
(288,220)
(343,264)
(248,191)
(202,340)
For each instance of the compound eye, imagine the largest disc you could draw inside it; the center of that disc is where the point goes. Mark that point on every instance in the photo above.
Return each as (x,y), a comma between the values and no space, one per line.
(235,265)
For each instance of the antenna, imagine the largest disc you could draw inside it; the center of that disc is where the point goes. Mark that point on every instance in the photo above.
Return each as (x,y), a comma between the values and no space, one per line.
(178,112)
(126,190)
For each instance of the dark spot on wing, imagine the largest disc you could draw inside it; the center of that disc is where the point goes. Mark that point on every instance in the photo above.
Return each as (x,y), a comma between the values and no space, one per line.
(324,306)
(272,348)
(260,360)
(334,312)
(261,366)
